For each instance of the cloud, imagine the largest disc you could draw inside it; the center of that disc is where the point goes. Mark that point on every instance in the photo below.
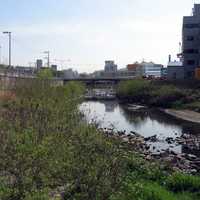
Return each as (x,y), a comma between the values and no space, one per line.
(122,30)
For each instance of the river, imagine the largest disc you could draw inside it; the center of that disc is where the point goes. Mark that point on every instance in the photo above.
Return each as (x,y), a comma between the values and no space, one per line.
(148,122)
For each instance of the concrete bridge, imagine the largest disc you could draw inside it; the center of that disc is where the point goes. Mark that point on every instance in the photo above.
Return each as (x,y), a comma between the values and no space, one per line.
(100,81)
(9,82)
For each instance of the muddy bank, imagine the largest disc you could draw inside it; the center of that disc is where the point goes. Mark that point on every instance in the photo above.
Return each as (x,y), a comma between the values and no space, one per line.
(186,115)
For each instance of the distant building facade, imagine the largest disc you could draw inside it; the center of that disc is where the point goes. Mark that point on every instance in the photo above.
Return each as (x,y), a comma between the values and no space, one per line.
(135,68)
(175,70)
(191,42)
(39,64)
(125,73)
(110,66)
(54,67)
(164,71)
(150,69)
(70,74)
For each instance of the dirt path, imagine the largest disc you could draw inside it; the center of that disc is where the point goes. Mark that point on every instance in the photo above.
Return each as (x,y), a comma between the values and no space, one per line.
(187,115)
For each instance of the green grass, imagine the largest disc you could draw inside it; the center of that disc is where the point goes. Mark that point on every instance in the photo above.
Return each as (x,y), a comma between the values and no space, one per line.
(179,182)
(151,181)
(44,146)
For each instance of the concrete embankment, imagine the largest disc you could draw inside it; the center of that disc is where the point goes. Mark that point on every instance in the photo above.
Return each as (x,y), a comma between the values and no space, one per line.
(186,115)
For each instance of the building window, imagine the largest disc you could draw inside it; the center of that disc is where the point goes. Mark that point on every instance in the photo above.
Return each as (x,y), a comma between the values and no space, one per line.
(190,38)
(191,51)
(191,26)
(191,62)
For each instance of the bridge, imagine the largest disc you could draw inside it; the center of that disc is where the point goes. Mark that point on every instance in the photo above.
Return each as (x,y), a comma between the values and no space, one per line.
(99,81)
(10,81)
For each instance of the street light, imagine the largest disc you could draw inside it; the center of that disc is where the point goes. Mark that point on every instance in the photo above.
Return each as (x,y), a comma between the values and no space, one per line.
(48,58)
(9,35)
(0,53)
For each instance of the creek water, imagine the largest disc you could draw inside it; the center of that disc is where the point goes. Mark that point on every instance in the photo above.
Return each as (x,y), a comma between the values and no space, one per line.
(148,122)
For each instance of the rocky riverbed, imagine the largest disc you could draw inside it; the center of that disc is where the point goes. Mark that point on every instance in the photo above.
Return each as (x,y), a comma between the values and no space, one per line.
(185,162)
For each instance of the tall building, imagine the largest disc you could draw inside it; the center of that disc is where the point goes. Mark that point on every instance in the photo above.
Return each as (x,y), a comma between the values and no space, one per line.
(39,64)
(191,42)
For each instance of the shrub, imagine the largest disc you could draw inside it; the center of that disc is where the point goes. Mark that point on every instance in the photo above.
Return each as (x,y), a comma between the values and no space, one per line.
(44,145)
(179,182)
(165,95)
(144,191)
(137,90)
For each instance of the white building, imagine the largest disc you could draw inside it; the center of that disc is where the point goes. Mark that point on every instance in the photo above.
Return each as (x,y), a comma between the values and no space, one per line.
(151,69)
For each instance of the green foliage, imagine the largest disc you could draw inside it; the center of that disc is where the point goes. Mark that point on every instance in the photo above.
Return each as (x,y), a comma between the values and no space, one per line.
(136,89)
(44,146)
(144,191)
(178,182)
(144,91)
(45,74)
(150,181)
(165,95)
(38,195)
(195,105)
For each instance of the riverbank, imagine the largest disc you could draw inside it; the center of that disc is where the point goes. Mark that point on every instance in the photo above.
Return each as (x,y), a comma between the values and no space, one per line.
(159,94)
(184,162)
(48,152)
(187,115)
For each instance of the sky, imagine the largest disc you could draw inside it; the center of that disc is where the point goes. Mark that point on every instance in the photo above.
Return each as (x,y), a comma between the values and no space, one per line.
(84,33)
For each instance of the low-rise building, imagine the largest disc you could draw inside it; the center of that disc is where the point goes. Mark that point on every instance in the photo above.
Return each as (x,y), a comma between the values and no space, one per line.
(175,70)
(150,69)
(125,73)
(70,74)
(135,69)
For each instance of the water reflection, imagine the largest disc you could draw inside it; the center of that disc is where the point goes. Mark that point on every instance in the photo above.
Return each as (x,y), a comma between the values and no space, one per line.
(109,114)
(110,106)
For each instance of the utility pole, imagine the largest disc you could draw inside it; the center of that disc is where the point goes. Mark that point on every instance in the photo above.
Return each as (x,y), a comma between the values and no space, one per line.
(48,58)
(0,53)
(9,35)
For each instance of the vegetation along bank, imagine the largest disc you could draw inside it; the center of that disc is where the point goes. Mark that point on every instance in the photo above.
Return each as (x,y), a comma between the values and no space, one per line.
(47,152)
(160,94)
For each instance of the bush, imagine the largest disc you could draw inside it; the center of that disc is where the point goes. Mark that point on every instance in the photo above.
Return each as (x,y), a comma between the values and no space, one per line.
(44,146)
(165,96)
(178,182)
(143,91)
(144,191)
(137,90)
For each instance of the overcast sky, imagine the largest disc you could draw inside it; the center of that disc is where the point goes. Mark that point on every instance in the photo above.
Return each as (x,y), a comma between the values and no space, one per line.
(85,33)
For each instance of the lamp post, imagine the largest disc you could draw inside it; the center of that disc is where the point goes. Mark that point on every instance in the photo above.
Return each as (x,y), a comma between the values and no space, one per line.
(0,54)
(9,35)
(48,58)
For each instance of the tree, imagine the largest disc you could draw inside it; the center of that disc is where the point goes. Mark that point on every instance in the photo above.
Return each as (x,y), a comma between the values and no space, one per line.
(45,74)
